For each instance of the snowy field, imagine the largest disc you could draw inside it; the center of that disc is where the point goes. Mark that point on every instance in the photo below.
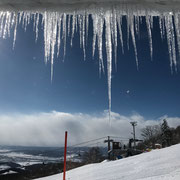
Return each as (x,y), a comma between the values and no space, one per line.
(163,164)
(21,158)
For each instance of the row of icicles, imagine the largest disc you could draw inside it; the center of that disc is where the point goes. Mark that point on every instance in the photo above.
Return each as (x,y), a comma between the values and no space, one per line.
(57,26)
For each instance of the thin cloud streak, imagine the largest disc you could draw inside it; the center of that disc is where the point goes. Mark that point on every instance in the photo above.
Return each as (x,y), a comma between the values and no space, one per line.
(47,129)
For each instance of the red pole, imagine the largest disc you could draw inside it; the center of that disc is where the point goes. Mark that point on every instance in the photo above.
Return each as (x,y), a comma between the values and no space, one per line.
(65,150)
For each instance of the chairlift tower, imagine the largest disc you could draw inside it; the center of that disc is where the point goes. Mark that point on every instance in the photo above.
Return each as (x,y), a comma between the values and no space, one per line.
(109,146)
(134,123)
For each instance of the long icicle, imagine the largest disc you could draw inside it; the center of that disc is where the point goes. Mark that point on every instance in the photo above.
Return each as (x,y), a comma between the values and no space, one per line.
(57,24)
(109,56)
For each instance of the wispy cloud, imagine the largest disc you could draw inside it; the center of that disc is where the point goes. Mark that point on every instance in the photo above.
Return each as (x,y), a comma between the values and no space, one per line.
(47,129)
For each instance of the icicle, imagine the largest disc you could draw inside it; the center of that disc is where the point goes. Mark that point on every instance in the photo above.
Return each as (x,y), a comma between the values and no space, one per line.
(137,23)
(87,26)
(64,33)
(161,26)
(1,24)
(100,43)
(6,25)
(148,23)
(119,22)
(171,41)
(69,24)
(9,20)
(98,24)
(128,25)
(76,22)
(83,36)
(114,33)
(73,26)
(109,56)
(58,24)
(46,37)
(177,25)
(36,26)
(131,24)
(59,34)
(15,30)
(81,22)
(80,29)
(26,19)
(95,29)
(53,42)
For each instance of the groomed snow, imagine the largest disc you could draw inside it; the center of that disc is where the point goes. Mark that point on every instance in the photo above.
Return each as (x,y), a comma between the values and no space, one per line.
(163,164)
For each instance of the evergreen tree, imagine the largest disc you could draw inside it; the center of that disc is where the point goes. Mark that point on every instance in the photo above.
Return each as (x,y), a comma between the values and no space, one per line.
(166,134)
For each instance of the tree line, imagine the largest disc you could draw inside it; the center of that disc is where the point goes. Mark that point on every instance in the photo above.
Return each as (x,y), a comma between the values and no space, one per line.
(159,134)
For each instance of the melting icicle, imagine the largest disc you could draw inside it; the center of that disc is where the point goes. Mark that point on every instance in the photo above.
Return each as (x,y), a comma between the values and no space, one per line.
(64,33)
(177,25)
(149,23)
(58,24)
(83,36)
(119,22)
(171,40)
(131,23)
(95,29)
(36,26)
(15,30)
(87,25)
(114,34)
(73,26)
(100,44)
(109,56)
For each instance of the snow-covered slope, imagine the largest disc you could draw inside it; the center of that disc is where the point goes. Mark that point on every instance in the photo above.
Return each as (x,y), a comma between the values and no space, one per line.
(163,164)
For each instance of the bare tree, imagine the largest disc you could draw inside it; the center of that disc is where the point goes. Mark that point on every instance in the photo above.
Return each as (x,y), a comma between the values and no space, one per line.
(94,155)
(151,134)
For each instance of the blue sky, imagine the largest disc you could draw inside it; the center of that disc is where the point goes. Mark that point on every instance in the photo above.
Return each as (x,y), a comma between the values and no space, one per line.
(25,82)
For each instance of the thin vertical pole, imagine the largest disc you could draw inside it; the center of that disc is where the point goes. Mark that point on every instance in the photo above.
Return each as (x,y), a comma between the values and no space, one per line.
(65,151)
(134,124)
(109,148)
(134,137)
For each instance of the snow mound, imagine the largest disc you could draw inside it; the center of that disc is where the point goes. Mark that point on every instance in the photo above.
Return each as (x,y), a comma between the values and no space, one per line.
(160,164)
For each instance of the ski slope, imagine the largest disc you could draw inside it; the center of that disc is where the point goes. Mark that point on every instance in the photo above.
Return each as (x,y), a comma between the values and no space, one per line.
(163,164)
